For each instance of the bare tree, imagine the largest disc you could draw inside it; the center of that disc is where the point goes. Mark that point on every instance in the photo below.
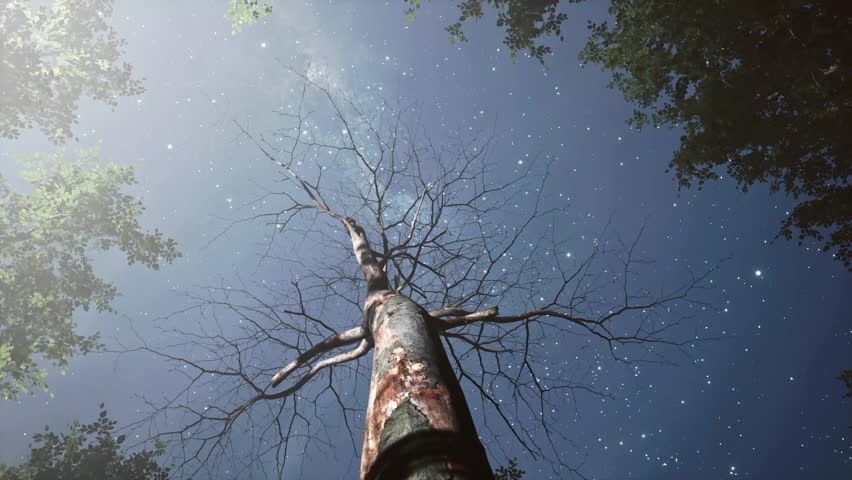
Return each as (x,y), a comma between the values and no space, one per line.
(427,256)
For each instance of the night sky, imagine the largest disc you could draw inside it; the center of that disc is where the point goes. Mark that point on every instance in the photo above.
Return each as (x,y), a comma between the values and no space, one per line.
(760,401)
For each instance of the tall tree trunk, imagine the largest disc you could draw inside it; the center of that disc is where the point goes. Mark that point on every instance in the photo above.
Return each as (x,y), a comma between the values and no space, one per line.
(418,422)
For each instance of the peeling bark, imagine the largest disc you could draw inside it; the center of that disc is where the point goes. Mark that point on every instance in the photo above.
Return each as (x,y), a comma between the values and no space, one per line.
(418,423)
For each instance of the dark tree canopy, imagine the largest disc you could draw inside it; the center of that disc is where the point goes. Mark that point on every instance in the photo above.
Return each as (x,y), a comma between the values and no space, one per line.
(761,89)
(86,452)
(526,22)
(46,272)
(509,472)
(52,57)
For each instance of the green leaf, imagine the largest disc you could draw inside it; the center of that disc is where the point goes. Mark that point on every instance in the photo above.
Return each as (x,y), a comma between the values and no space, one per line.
(70,209)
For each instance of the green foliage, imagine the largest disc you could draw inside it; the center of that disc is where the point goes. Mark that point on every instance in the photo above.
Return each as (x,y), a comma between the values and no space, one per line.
(50,58)
(411,11)
(85,452)
(46,237)
(761,90)
(527,23)
(509,472)
(246,12)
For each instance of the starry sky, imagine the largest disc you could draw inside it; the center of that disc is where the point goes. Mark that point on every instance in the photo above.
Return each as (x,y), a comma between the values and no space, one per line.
(761,401)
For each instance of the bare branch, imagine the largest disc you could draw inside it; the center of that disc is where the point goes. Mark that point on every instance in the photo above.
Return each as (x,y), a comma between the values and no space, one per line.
(364,205)
(330,343)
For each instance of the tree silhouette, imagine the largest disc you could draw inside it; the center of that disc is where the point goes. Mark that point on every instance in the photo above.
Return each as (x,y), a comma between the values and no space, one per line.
(415,252)
(509,472)
(527,23)
(86,452)
(46,272)
(760,89)
(50,58)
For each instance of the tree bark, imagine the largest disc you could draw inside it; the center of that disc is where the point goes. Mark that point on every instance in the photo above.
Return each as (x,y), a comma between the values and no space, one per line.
(418,423)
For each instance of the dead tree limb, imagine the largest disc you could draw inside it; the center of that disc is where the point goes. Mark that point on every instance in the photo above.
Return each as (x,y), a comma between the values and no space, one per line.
(459,275)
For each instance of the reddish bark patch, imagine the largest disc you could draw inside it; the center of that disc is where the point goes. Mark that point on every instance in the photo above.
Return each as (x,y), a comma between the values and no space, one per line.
(405,381)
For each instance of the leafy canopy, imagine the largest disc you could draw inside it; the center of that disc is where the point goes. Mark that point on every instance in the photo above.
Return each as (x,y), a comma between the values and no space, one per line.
(246,12)
(85,452)
(761,89)
(50,58)
(526,22)
(46,237)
